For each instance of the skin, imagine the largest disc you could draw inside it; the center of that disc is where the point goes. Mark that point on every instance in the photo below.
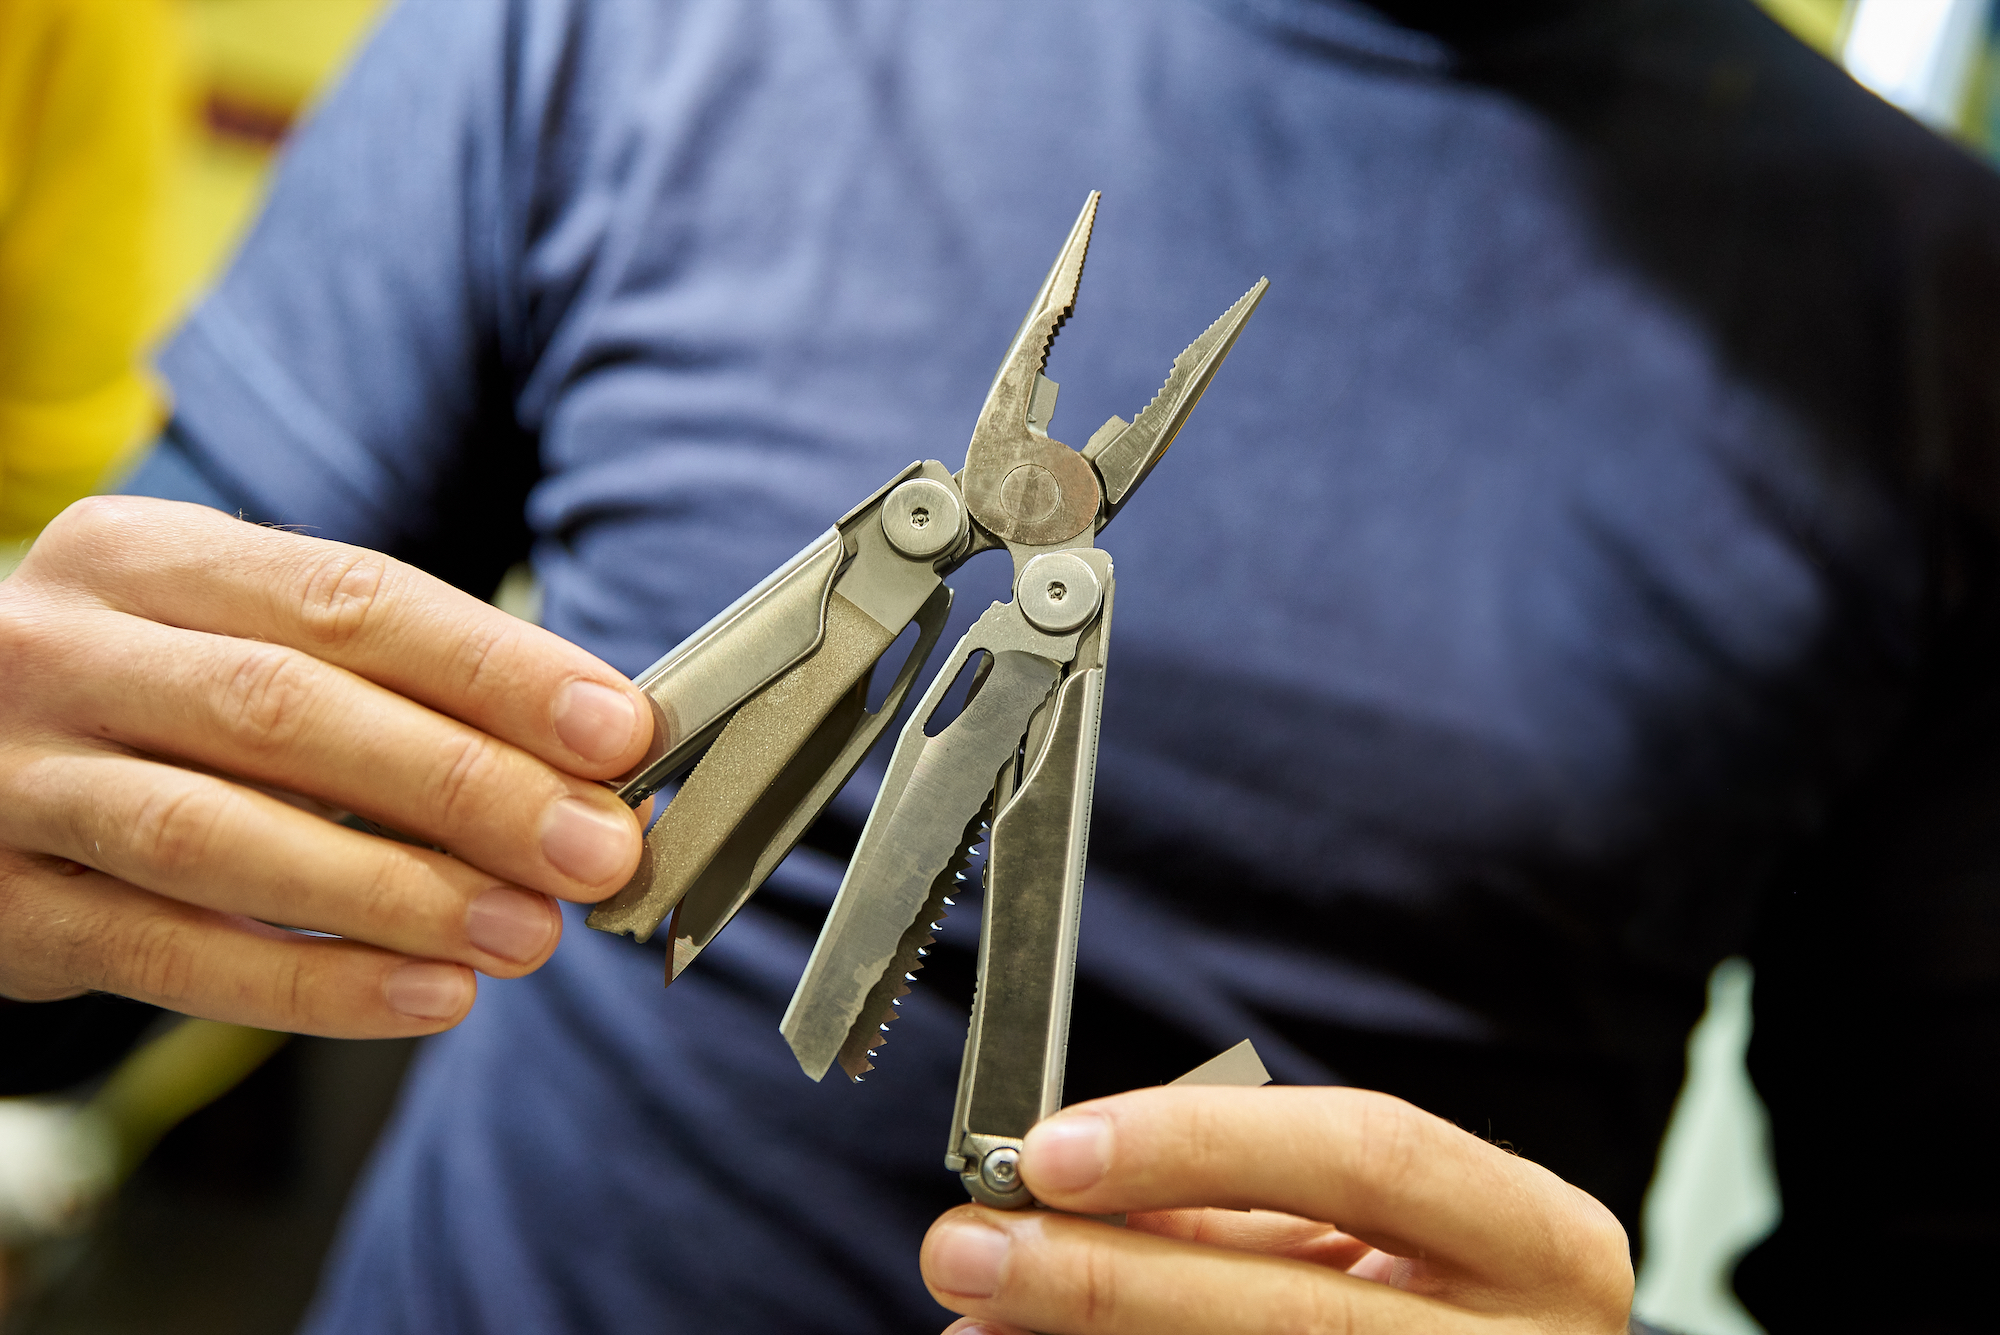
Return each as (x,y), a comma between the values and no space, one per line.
(1365,1215)
(187,696)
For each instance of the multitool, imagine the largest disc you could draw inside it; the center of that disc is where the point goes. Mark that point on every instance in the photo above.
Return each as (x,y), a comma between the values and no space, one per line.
(768,704)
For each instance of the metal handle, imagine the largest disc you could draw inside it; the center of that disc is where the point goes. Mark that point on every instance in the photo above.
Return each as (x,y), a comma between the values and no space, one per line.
(774,823)
(702,680)
(1018,1040)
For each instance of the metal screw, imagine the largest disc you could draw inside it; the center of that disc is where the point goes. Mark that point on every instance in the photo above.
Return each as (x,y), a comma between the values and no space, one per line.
(1059,592)
(1001,1168)
(922,518)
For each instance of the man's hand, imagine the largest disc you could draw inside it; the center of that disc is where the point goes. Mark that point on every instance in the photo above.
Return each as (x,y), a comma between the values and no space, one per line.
(180,691)
(1388,1219)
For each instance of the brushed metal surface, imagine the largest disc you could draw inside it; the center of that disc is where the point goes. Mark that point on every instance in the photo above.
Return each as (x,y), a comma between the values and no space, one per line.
(771,827)
(755,746)
(1124,454)
(935,786)
(1020,484)
(746,645)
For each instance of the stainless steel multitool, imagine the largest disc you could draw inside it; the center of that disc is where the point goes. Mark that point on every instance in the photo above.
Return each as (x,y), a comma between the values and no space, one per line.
(768,702)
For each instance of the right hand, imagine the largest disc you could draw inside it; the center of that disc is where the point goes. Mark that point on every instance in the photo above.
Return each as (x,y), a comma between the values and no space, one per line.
(1340,1210)
(180,691)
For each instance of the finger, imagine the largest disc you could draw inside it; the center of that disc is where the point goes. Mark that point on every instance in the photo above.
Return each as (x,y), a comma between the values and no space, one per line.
(1066,1276)
(275,715)
(1389,1173)
(1265,1231)
(218,845)
(90,931)
(189,566)
(967,1326)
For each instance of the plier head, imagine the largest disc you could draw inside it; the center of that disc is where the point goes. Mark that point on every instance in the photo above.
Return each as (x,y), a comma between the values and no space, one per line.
(1030,490)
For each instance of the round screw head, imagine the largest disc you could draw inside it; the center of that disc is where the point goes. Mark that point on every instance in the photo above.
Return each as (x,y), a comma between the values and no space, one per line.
(1001,1169)
(923,518)
(1058,592)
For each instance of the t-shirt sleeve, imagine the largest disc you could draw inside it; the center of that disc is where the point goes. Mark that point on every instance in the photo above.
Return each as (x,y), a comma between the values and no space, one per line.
(341,372)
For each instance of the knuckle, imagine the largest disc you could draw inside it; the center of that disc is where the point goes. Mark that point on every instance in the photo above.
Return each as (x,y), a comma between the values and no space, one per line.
(1575,1252)
(482,654)
(1203,1133)
(156,961)
(1098,1293)
(1387,1144)
(386,905)
(462,788)
(174,830)
(95,522)
(339,592)
(268,697)
(1597,1255)
(74,541)
(291,987)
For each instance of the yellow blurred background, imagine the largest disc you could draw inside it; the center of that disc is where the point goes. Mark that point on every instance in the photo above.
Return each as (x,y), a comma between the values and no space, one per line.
(135,138)
(251,68)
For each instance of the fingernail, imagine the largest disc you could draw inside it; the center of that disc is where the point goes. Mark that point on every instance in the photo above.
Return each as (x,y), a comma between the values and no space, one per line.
(595,721)
(1067,1153)
(428,991)
(513,924)
(965,1259)
(585,843)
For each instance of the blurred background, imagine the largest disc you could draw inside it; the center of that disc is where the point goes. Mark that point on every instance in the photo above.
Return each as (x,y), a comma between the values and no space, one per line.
(155,1175)
(160,1175)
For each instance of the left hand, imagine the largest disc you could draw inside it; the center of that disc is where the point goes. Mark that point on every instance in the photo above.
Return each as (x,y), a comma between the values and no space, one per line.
(1366,1215)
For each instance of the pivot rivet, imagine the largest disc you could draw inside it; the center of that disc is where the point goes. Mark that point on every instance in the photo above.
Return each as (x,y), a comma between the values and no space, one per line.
(923,518)
(1030,493)
(1058,592)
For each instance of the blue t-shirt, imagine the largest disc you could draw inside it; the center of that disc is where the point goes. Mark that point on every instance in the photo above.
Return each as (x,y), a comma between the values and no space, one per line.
(1583,569)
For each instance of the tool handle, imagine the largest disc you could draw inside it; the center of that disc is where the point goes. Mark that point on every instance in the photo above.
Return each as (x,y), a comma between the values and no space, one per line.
(702,681)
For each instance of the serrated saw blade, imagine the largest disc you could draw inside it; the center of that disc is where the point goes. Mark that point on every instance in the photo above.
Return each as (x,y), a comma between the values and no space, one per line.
(936,786)
(867,1035)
